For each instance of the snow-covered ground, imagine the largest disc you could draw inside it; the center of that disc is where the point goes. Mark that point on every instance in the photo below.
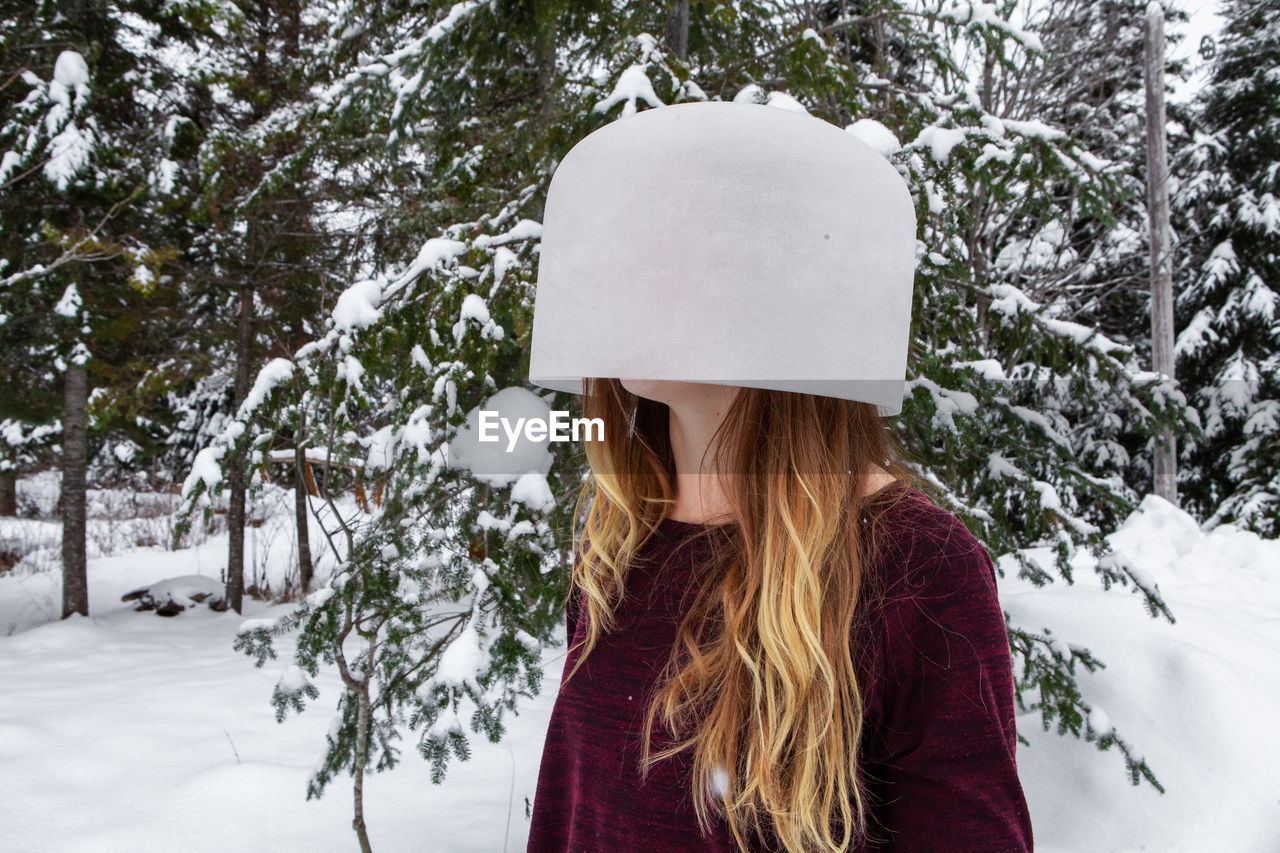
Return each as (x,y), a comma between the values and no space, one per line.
(1197,698)
(126,731)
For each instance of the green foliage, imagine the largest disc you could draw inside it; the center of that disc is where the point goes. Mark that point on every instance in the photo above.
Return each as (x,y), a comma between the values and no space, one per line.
(1228,349)
(80,210)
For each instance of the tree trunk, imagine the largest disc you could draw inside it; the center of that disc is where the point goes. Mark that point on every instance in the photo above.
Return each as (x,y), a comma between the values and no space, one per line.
(545,48)
(235,468)
(9,483)
(75,579)
(362,758)
(300,504)
(678,29)
(1166,459)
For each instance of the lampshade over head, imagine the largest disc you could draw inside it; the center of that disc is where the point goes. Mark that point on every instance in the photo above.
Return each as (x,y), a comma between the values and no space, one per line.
(731,243)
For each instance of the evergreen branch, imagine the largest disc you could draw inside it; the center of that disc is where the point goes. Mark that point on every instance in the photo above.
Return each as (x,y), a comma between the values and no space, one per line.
(74,254)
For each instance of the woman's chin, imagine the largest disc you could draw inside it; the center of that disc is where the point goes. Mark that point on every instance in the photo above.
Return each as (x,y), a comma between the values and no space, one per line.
(674,390)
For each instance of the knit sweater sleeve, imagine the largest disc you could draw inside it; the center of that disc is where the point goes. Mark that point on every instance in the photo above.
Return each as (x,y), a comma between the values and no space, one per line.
(943,753)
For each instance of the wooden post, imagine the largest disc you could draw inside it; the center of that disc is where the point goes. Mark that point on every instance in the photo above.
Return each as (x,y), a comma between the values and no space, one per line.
(301,485)
(1165,457)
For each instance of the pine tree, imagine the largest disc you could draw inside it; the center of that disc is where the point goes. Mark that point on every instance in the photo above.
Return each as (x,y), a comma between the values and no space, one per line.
(1228,341)
(255,221)
(78,301)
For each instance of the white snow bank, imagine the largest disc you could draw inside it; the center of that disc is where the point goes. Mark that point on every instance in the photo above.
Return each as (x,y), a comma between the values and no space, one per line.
(1195,698)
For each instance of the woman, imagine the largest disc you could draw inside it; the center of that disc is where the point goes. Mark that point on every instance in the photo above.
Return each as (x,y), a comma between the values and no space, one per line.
(777,642)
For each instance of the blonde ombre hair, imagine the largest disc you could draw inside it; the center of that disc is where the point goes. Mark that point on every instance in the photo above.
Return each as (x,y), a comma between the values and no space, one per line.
(761,682)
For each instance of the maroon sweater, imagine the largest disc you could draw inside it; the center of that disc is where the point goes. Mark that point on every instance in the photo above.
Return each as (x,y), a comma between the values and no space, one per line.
(938,745)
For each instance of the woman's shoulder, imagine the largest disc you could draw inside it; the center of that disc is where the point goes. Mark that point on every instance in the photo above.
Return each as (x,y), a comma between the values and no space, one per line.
(941,735)
(927,559)
(912,523)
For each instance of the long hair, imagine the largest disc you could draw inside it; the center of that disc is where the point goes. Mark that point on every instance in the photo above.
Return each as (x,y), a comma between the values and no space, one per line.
(761,682)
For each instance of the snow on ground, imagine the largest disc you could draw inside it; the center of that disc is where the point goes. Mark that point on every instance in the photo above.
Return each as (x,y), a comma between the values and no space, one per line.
(1196,698)
(130,732)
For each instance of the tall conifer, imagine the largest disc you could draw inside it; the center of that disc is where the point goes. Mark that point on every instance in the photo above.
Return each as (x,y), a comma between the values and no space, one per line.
(1227,316)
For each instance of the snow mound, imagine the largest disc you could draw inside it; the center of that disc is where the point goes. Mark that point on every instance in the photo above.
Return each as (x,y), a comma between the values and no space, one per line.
(171,596)
(1194,697)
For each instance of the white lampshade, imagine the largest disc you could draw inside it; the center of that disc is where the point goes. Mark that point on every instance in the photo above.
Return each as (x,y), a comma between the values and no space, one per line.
(732,243)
